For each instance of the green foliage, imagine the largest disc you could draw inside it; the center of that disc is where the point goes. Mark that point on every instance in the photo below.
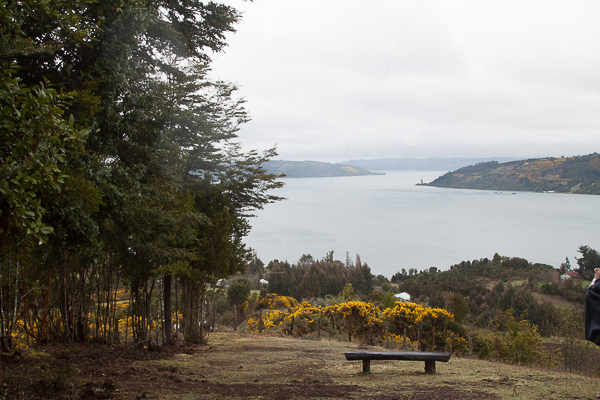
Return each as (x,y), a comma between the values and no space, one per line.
(570,289)
(579,174)
(34,141)
(306,260)
(256,266)
(579,355)
(520,342)
(458,307)
(488,286)
(347,292)
(319,278)
(238,291)
(589,261)
(389,300)
(133,169)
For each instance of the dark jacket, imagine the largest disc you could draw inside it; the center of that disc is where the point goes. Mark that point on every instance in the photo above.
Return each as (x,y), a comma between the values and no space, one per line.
(592,313)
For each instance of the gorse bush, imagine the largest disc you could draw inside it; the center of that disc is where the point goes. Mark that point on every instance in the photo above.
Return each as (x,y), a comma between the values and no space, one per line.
(405,325)
(269,302)
(408,326)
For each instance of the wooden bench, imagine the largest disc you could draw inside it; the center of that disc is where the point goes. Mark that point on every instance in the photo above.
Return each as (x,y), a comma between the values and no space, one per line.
(428,357)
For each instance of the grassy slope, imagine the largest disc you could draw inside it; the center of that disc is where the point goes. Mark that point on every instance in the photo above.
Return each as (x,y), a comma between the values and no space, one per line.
(237,366)
(558,301)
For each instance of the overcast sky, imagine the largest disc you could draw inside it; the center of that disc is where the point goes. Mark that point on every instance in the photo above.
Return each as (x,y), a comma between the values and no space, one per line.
(333,80)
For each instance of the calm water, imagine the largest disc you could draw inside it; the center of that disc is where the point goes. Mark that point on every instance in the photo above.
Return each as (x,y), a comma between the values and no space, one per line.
(393,224)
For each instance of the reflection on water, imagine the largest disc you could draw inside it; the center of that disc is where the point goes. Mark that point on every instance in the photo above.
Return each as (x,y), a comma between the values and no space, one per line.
(394,224)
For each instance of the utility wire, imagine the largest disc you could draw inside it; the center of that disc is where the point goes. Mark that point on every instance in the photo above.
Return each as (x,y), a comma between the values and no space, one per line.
(363,117)
(435,115)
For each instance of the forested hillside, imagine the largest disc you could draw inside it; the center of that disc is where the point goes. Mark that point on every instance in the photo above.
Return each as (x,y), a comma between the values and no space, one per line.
(503,308)
(579,174)
(319,278)
(307,169)
(475,291)
(422,164)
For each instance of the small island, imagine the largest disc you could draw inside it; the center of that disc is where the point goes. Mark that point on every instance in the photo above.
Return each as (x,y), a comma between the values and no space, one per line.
(579,174)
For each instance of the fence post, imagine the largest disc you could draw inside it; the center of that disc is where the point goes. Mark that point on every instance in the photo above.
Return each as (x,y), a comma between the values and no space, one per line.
(235,317)
(470,347)
(319,326)
(349,330)
(214,317)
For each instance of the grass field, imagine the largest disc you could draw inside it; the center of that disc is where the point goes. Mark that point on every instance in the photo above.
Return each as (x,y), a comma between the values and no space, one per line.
(263,367)
(243,366)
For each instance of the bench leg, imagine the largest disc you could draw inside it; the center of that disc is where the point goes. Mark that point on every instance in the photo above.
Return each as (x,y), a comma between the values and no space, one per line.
(430,367)
(366,366)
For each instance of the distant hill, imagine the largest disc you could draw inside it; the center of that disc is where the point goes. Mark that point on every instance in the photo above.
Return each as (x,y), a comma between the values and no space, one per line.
(422,164)
(579,174)
(308,169)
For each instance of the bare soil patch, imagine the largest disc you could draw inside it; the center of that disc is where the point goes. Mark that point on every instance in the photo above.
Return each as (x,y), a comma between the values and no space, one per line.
(237,366)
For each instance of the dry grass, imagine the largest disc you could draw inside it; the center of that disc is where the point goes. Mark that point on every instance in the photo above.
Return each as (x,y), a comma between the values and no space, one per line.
(558,301)
(244,366)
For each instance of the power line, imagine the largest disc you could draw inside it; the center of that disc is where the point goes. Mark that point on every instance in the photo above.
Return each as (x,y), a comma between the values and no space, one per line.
(435,115)
(422,133)
(363,115)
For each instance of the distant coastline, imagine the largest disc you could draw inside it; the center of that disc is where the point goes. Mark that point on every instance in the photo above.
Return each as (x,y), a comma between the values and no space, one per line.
(360,167)
(422,164)
(579,174)
(314,169)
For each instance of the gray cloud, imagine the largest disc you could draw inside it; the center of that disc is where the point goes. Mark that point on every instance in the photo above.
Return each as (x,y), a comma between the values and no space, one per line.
(469,78)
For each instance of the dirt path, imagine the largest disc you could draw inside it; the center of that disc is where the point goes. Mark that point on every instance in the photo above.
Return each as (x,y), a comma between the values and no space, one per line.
(255,367)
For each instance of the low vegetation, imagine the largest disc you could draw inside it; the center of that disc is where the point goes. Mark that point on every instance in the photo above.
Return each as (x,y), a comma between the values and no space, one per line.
(275,367)
(482,310)
(579,174)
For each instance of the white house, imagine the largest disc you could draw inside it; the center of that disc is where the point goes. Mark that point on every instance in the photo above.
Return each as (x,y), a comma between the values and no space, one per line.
(403,296)
(569,274)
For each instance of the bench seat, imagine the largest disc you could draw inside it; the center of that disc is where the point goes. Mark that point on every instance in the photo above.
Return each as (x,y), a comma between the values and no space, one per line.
(429,357)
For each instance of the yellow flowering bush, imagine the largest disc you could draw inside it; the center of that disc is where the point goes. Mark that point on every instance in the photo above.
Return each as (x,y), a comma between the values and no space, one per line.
(273,301)
(271,320)
(18,335)
(253,324)
(360,318)
(403,316)
(434,314)
(305,317)
(401,342)
(454,341)
(406,325)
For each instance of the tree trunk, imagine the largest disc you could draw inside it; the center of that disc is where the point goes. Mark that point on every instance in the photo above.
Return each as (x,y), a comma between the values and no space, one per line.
(235,318)
(167,310)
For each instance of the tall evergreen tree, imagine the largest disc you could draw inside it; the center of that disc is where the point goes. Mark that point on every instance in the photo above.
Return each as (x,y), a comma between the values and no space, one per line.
(152,181)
